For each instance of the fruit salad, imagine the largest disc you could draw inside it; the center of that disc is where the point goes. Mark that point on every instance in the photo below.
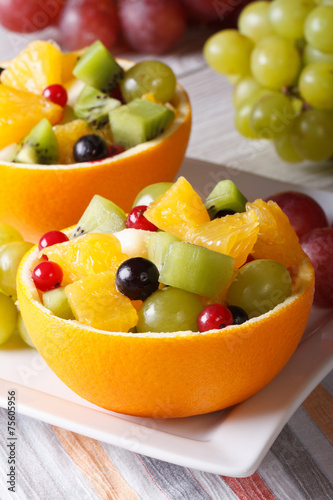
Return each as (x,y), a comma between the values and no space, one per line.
(80,107)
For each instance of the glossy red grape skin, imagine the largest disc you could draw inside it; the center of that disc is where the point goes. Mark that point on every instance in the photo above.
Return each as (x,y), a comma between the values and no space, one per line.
(28,16)
(57,94)
(318,245)
(47,275)
(304,213)
(152,26)
(84,21)
(214,317)
(137,220)
(51,238)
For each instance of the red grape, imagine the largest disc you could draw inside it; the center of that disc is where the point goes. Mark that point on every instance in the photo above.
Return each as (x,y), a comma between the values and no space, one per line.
(84,21)
(304,213)
(28,16)
(152,26)
(318,245)
(214,10)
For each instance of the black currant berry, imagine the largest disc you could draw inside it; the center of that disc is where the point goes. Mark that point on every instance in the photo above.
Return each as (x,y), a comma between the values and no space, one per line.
(90,147)
(239,315)
(137,278)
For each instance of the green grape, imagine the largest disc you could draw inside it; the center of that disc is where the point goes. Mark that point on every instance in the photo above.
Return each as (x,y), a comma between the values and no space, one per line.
(318,28)
(312,55)
(316,85)
(228,52)
(275,62)
(149,194)
(243,113)
(8,315)
(272,116)
(169,310)
(245,89)
(8,234)
(23,331)
(285,149)
(288,16)
(149,77)
(312,133)
(254,21)
(260,286)
(10,258)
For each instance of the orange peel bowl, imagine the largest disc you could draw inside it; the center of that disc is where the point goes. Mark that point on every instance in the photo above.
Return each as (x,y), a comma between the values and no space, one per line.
(171,374)
(39,198)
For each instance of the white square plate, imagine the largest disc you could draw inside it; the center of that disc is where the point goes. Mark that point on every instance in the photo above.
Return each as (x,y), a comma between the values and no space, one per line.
(231,442)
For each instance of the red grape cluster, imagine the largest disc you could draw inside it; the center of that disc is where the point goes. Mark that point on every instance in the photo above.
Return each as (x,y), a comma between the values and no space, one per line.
(151,26)
(311,225)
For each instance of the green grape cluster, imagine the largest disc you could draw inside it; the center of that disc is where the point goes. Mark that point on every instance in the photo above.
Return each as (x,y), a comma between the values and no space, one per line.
(281,61)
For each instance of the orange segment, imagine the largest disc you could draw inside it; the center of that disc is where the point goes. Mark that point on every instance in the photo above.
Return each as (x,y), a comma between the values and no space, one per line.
(91,253)
(96,302)
(178,210)
(233,235)
(21,111)
(35,68)
(68,62)
(277,239)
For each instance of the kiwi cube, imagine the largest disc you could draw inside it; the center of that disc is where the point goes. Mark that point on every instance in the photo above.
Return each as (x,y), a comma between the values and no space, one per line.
(139,121)
(39,146)
(225,195)
(94,106)
(196,269)
(101,215)
(56,300)
(158,245)
(98,68)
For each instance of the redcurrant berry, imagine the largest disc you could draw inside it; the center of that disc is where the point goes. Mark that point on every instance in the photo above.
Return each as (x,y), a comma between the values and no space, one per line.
(47,275)
(57,94)
(114,150)
(214,317)
(137,220)
(51,238)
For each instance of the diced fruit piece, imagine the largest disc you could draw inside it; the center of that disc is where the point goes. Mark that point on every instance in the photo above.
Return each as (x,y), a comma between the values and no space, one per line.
(137,278)
(149,77)
(51,238)
(8,234)
(276,240)
(303,212)
(214,317)
(90,147)
(101,215)
(68,63)
(196,269)
(149,194)
(47,275)
(39,146)
(35,68)
(259,286)
(239,315)
(94,106)
(21,111)
(98,68)
(233,235)
(10,257)
(56,93)
(169,310)
(139,121)
(225,195)
(137,220)
(89,254)
(8,315)
(96,302)
(158,245)
(56,300)
(134,242)
(178,210)
(23,331)
(318,245)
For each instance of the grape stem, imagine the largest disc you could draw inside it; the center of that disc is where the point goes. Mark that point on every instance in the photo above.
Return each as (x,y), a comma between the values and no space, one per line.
(294,92)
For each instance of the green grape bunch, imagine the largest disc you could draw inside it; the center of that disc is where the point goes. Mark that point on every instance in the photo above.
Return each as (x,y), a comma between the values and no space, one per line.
(281,62)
